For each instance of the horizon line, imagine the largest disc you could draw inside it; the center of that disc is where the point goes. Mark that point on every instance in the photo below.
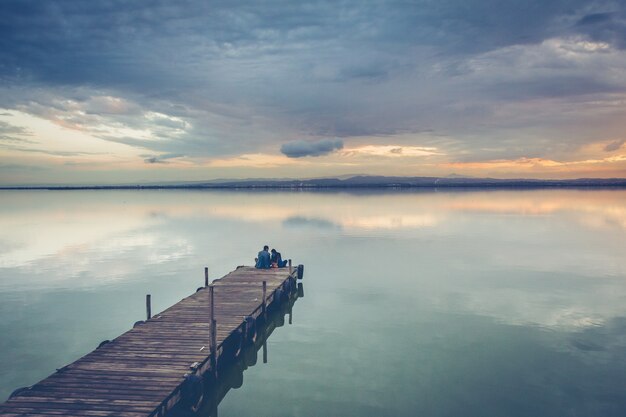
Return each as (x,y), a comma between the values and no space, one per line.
(359,181)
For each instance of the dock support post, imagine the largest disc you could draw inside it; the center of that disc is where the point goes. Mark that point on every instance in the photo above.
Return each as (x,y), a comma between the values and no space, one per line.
(244,334)
(206,276)
(212,302)
(213,335)
(290,268)
(148,307)
(214,346)
(264,299)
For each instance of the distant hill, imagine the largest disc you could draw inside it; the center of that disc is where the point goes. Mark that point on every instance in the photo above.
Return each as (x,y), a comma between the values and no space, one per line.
(359,181)
(366,181)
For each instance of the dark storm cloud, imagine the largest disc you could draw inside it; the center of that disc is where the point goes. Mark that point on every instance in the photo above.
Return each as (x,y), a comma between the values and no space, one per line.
(301,148)
(131,44)
(250,75)
(594,19)
(606,27)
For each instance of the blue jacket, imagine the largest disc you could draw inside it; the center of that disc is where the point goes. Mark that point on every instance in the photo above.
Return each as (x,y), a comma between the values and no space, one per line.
(263,260)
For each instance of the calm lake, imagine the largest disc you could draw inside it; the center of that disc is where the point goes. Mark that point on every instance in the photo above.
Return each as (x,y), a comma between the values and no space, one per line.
(477,303)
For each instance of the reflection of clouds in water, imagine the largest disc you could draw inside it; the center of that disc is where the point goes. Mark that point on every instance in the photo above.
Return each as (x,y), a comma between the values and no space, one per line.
(363,222)
(316,223)
(37,233)
(169,250)
(578,317)
(41,238)
(604,217)
(608,339)
(39,225)
(530,293)
(158,214)
(490,356)
(595,209)
(82,243)
(586,345)
(335,216)
(563,304)
(117,257)
(390,221)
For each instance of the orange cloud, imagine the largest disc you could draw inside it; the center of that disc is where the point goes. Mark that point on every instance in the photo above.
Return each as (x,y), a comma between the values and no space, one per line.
(539,164)
(393,151)
(257,160)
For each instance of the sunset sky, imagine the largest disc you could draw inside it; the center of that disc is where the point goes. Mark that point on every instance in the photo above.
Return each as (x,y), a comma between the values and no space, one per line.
(95,92)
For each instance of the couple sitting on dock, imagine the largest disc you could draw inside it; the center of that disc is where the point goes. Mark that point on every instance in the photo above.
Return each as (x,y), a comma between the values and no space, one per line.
(265,261)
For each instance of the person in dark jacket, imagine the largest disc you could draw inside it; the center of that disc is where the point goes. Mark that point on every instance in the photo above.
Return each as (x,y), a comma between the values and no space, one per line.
(277,259)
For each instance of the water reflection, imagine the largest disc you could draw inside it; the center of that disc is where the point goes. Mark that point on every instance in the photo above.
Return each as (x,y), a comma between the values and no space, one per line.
(59,225)
(483,303)
(312,222)
(231,372)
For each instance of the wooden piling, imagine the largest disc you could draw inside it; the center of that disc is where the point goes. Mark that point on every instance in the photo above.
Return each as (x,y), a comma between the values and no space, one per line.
(211,303)
(148,307)
(264,351)
(214,346)
(206,276)
(264,299)
(213,332)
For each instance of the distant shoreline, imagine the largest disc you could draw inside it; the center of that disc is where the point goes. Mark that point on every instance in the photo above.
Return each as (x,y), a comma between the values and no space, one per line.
(355,183)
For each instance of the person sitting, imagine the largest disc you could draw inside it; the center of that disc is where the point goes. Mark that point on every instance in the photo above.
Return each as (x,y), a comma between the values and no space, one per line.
(263,258)
(277,259)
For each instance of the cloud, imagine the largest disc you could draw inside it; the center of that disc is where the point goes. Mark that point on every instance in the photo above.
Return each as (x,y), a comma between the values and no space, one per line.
(258,160)
(594,18)
(541,165)
(605,26)
(615,145)
(21,168)
(107,105)
(522,78)
(11,133)
(302,148)
(46,151)
(154,160)
(393,151)
(160,159)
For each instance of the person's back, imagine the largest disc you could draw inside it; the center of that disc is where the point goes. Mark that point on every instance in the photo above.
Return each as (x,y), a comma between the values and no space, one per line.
(263,259)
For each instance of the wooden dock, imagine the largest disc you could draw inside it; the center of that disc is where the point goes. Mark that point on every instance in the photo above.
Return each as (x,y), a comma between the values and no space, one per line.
(167,362)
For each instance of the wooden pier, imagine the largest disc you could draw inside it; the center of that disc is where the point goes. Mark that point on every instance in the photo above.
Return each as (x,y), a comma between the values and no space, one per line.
(167,362)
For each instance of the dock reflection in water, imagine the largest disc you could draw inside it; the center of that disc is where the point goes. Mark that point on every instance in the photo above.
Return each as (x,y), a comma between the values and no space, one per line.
(230,370)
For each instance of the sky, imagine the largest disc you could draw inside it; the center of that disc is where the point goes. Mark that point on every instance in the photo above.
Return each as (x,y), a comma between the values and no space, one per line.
(115,91)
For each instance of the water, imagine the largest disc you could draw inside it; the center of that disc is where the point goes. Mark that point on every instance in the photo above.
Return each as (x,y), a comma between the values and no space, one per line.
(482,303)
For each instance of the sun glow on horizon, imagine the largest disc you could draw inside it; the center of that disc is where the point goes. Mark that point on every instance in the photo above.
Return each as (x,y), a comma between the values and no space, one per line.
(56,144)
